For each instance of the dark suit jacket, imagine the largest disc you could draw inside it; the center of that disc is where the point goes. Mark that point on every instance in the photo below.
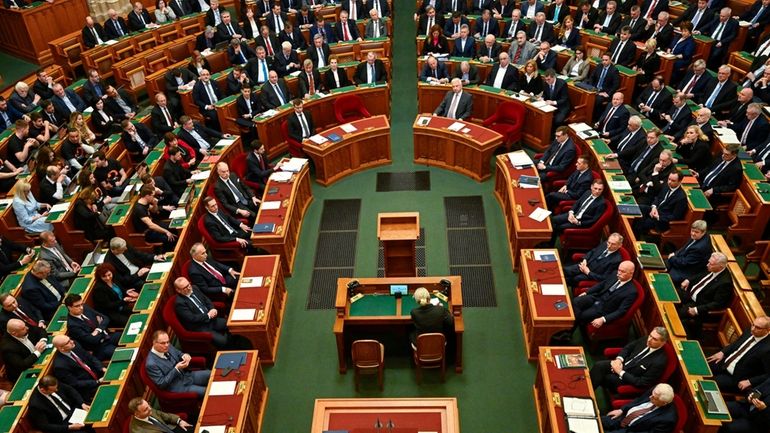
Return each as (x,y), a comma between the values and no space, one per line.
(61,108)
(473,74)
(113,109)
(715,295)
(645,372)
(202,42)
(661,419)
(613,305)
(352,28)
(328,33)
(189,314)
(727,181)
(617,123)
(29,309)
(36,293)
(150,139)
(135,24)
(237,59)
(176,176)
(171,84)
(16,356)
(548,63)
(223,32)
(637,31)
(427,72)
(647,154)
(548,34)
(758,134)
(296,39)
(180,7)
(88,37)
(611,79)
(270,98)
(8,250)
(243,108)
(68,371)
(663,36)
(122,276)
(225,196)
(707,17)
(342,76)
(614,23)
(492,27)
(220,233)
(594,211)
(252,69)
(47,417)
(111,30)
(162,372)
(593,14)
(469,50)
(660,104)
(627,148)
(680,119)
(703,83)
(627,56)
(763,20)
(754,365)
(281,63)
(80,330)
(108,302)
(563,159)
(380,74)
(422,23)
(304,83)
(511,33)
(464,105)
(201,97)
(725,100)
(430,318)
(691,258)
(270,21)
(211,136)
(675,206)
(601,267)
(295,127)
(158,120)
(207,283)
(258,169)
(312,54)
(210,18)
(510,80)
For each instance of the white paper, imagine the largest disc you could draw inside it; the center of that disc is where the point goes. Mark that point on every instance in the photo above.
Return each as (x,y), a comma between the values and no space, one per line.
(581,425)
(552,289)
(294,165)
(318,139)
(540,214)
(456,126)
(88,110)
(579,127)
(6,201)
(225,387)
(252,282)
(225,142)
(519,158)
(134,328)
(435,301)
(269,113)
(110,42)
(243,313)
(620,185)
(559,48)
(547,108)
(178,213)
(270,205)
(321,95)
(666,55)
(295,74)
(203,175)
(519,97)
(281,176)
(60,207)
(743,23)
(578,406)
(214,428)
(423,120)
(466,130)
(161,267)
(348,128)
(78,416)
(539,104)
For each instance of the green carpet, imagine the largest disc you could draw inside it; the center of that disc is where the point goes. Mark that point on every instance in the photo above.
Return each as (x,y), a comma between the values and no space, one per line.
(495,390)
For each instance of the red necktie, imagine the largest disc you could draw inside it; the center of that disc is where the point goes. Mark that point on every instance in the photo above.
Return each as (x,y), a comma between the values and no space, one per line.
(312,84)
(345,33)
(269,47)
(214,272)
(84,366)
(24,317)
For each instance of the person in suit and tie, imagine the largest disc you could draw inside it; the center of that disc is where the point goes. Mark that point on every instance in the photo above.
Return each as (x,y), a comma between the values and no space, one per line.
(597,264)
(724,175)
(88,328)
(258,168)
(640,363)
(181,8)
(63,268)
(76,367)
(635,23)
(693,255)
(319,53)
(93,33)
(586,15)
(606,80)
(622,50)
(277,19)
(309,80)
(52,403)
(750,415)
(66,101)
(370,71)
(503,74)
(723,30)
(753,130)
(627,143)
(207,40)
(487,25)
(13,308)
(175,174)
(13,256)
(698,13)
(163,116)
(696,82)
(704,292)
(670,204)
(334,78)
(205,95)
(654,99)
(722,95)
(275,92)
(293,36)
(258,67)
(228,30)
(236,197)
(467,73)
(248,106)
(490,50)
(139,18)
(644,156)
(650,412)
(614,119)
(115,26)
(758,17)
(21,347)
(456,103)
(324,29)
(555,94)
(168,367)
(199,137)
(675,121)
(606,301)
(197,314)
(652,177)
(210,276)
(584,213)
(268,41)
(522,50)
(346,29)
(239,53)
(744,363)
(131,265)
(578,182)
(530,8)
(434,72)
(41,289)
(427,20)
(375,27)
(608,20)
(224,228)
(545,58)
(559,155)
(465,45)
(540,30)
(138,139)
(514,26)
(147,419)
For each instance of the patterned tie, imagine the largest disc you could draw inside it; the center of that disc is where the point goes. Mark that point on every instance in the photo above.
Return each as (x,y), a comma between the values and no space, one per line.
(214,272)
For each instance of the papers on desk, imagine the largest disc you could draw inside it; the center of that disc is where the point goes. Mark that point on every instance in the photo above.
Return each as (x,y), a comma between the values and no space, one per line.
(294,165)
(727,136)
(225,142)
(6,202)
(666,55)
(580,127)
(559,48)
(207,52)
(160,267)
(134,328)
(88,110)
(582,425)
(545,256)
(59,207)
(244,314)
(348,128)
(270,205)
(78,416)
(620,185)
(423,120)
(457,126)
(318,139)
(540,214)
(269,113)
(214,428)
(519,159)
(110,42)
(552,289)
(224,387)
(579,407)
(743,23)
(519,97)
(203,175)
(251,282)
(295,74)
(178,213)
(281,176)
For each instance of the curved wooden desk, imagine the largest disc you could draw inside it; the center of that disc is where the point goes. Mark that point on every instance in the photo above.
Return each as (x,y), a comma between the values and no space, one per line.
(367,147)
(467,153)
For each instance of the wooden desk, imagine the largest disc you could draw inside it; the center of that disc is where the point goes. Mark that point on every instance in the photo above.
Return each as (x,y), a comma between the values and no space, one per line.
(379,312)
(466,151)
(368,146)
(268,302)
(242,411)
(408,415)
(523,231)
(552,384)
(295,197)
(540,319)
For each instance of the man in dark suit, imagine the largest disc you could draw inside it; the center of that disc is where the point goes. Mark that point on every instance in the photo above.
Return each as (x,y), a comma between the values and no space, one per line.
(545,58)
(334,78)
(627,142)
(258,168)
(199,137)
(197,314)
(346,29)
(234,196)
(210,276)
(258,67)
(695,82)
(640,363)
(693,255)
(293,36)
(286,61)
(606,79)
(660,29)
(205,95)
(452,27)
(654,100)
(93,33)
(723,176)
(228,30)
(758,17)
(586,15)
(750,415)
(738,112)
(699,14)
(66,101)
(723,30)
(370,71)
(176,79)
(559,155)
(555,94)
(52,404)
(670,204)
(584,213)
(598,264)
(487,25)
(722,95)
(478,6)
(647,154)
(300,125)
(434,72)
(609,19)
(456,103)
(168,367)
(76,367)
(707,291)
(139,18)
(207,40)
(319,53)
(88,328)
(42,290)
(146,419)
(503,75)
(427,20)
(131,265)
(622,50)
(674,122)
(276,19)
(465,45)
(540,30)
(381,6)
(117,105)
(428,318)
(248,106)
(239,53)
(614,119)
(115,26)
(163,117)
(424,5)
(138,139)
(635,23)
(21,309)
(744,363)
(180,7)
(309,80)
(652,177)
(608,300)
(753,130)
(224,228)
(213,15)
(650,412)
(21,347)
(177,176)
(8,115)
(324,29)
(467,73)
(13,256)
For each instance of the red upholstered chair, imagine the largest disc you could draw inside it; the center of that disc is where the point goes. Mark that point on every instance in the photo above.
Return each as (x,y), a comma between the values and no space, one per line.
(582,239)
(218,299)
(624,255)
(617,329)
(238,166)
(191,341)
(565,205)
(175,402)
(349,108)
(681,411)
(631,391)
(223,250)
(295,147)
(508,121)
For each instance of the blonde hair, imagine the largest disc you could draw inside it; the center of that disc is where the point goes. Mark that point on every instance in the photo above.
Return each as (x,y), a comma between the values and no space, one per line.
(421,296)
(23,190)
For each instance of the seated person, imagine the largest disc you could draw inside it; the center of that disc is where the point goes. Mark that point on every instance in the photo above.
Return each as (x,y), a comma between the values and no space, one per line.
(21,347)
(456,103)
(652,177)
(110,174)
(76,367)
(693,255)
(646,154)
(370,71)
(199,137)
(168,367)
(530,82)
(138,139)
(649,412)
(310,81)
(118,106)
(434,72)
(627,142)
(640,363)
(13,308)
(598,264)
(286,62)
(744,363)
(30,214)
(111,299)
(20,145)
(131,265)
(208,275)
(197,314)
(155,231)
(467,73)
(13,256)
(723,176)
(224,228)
(258,167)
(53,184)
(435,42)
(63,268)
(750,415)
(174,173)
(88,328)
(577,183)
(42,290)
(234,195)
(695,149)
(503,74)
(585,212)
(704,292)
(669,205)
(429,317)
(559,155)
(47,414)
(146,419)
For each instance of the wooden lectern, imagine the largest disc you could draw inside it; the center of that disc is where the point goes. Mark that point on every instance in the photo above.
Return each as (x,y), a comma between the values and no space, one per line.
(398,232)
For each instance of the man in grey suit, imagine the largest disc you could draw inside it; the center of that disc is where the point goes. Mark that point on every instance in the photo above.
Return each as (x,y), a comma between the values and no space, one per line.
(62,266)
(456,104)
(375,27)
(522,50)
(167,367)
(146,419)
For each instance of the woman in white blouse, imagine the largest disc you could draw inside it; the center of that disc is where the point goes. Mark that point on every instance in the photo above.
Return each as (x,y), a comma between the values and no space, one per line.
(163,13)
(27,210)
(250,25)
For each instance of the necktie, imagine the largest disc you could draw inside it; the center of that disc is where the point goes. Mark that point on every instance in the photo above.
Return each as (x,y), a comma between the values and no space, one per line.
(278,23)
(517,55)
(613,287)
(53,290)
(224,223)
(745,134)
(600,84)
(353,11)
(453,106)
(336,78)
(116,23)
(377,7)
(167,115)
(665,197)
(605,254)
(6,119)
(630,417)
(83,365)
(371,74)
(345,33)
(607,119)
(270,51)
(606,21)
(714,94)
(217,17)
(214,272)
(765,153)
(633,23)
(710,178)
(618,50)
(759,14)
(651,99)
(539,33)
(640,159)
(303,123)
(321,58)
(376,26)
(430,24)
(23,316)
(141,18)
(625,141)
(763,48)
(748,344)
(210,92)
(652,8)
(236,193)
(61,258)
(486,28)
(555,154)
(198,303)
(556,13)
(96,36)
(696,18)
(279,93)
(262,71)
(63,407)
(585,206)
(162,426)
(694,290)
(454,5)
(638,357)
(230,29)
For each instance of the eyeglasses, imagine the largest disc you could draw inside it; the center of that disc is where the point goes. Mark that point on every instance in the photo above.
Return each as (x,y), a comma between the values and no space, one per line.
(760,327)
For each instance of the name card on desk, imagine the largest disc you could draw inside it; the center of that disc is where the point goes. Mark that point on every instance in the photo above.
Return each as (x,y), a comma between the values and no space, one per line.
(244,314)
(251,282)
(225,387)
(215,428)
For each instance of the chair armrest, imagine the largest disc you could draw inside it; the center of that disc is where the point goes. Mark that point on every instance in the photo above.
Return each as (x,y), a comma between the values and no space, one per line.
(578,257)
(198,362)
(612,352)
(629,390)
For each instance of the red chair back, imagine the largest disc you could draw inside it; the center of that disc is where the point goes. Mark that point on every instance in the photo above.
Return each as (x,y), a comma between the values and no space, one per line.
(295,147)
(169,401)
(618,329)
(583,238)
(238,165)
(681,414)
(348,108)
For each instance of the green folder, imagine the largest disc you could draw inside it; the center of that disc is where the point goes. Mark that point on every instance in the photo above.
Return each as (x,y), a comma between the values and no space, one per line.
(118,213)
(649,256)
(25,383)
(374,305)
(152,157)
(693,359)
(80,285)
(54,216)
(11,282)
(147,297)
(709,385)
(59,320)
(664,288)
(8,417)
(752,172)
(120,361)
(698,199)
(87,270)
(126,339)
(600,147)
(104,400)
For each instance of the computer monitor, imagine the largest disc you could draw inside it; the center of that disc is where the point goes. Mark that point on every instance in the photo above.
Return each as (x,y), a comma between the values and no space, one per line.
(398,289)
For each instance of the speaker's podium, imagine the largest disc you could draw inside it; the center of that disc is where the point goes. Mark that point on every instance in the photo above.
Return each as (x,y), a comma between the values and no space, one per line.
(398,232)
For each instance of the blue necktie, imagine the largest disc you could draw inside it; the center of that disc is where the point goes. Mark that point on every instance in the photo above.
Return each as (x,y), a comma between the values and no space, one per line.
(714,95)
(601,79)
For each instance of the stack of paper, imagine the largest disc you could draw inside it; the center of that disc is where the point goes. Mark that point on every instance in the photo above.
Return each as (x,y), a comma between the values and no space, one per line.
(540,214)
(552,289)
(225,142)
(281,176)
(456,126)
(423,120)
(178,213)
(59,207)
(519,158)
(134,328)
(620,185)
(318,139)
(348,128)
(251,282)
(270,205)
(243,314)
(727,136)
(203,175)
(294,165)
(160,267)
(559,48)
(222,387)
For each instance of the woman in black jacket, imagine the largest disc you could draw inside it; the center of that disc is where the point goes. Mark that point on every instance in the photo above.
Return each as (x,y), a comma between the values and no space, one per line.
(110,299)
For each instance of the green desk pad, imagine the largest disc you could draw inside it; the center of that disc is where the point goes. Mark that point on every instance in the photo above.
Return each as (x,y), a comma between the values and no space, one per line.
(693,358)
(698,199)
(752,171)
(25,383)
(87,270)
(710,385)
(80,285)
(147,297)
(11,282)
(126,339)
(664,288)
(763,189)
(152,157)
(408,304)
(59,320)
(8,416)
(224,101)
(374,305)
(651,260)
(54,216)
(121,360)
(118,213)
(104,400)
(619,178)
(600,147)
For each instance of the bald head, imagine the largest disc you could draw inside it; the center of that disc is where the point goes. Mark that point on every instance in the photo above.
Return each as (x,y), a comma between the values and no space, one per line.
(626,270)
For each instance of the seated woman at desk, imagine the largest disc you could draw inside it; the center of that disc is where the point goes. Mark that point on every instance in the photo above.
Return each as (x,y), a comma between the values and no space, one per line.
(110,299)
(530,81)
(28,210)
(577,66)
(427,317)
(695,149)
(77,121)
(569,36)
(435,42)
(104,124)
(154,231)
(89,215)
(648,64)
(188,154)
